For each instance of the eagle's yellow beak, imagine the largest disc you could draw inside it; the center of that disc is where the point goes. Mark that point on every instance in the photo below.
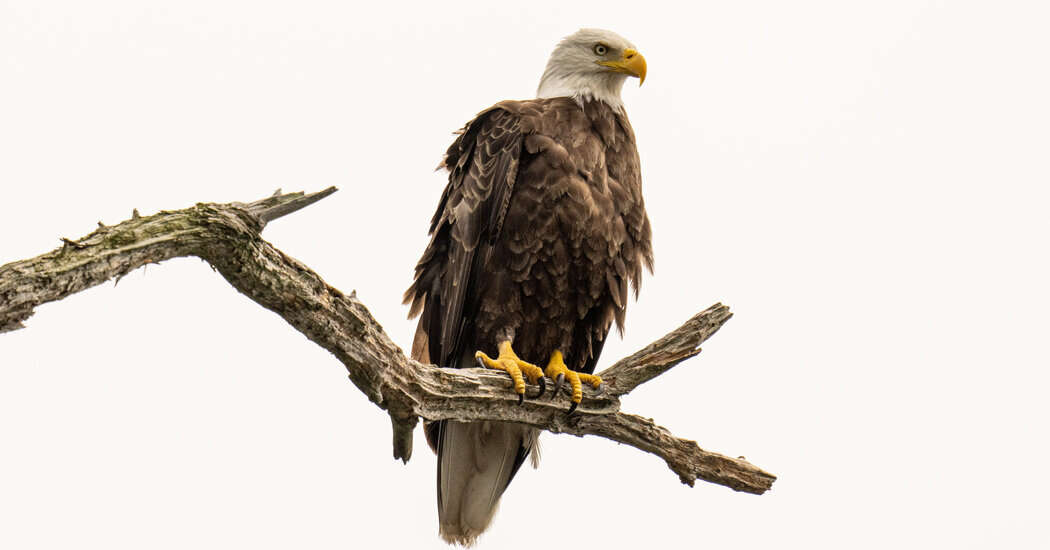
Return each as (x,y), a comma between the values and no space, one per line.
(632,64)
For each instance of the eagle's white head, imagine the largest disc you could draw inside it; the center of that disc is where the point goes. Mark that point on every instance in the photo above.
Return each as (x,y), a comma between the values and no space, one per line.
(591,64)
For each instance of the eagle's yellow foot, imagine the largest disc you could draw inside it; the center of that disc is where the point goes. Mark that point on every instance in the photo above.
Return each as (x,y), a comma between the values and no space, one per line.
(518,370)
(558,372)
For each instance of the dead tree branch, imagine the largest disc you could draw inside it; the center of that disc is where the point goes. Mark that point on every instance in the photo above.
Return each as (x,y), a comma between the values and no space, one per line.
(227,236)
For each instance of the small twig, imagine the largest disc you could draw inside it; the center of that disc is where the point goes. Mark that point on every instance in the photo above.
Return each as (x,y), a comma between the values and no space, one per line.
(268,209)
(74,244)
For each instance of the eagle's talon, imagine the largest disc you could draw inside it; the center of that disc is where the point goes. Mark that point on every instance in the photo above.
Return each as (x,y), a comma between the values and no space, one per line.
(557,384)
(559,372)
(517,369)
(543,387)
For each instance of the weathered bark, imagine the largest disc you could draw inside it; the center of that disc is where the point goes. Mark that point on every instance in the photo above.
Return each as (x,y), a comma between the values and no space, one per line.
(227,236)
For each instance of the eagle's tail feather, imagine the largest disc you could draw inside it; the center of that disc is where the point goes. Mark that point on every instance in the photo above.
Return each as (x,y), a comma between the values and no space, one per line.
(476,461)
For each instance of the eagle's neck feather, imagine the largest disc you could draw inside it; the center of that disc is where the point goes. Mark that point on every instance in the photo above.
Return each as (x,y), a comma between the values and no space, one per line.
(604,87)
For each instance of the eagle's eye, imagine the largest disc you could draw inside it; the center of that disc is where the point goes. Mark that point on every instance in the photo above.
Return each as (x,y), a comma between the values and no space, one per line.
(601,49)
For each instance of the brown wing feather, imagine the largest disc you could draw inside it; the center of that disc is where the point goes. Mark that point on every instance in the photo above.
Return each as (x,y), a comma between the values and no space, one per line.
(483,165)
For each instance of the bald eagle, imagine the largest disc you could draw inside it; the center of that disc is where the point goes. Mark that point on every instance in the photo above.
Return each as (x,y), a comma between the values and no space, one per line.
(536,238)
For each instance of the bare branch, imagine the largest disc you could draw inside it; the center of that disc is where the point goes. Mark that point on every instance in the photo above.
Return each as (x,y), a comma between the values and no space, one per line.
(206,230)
(279,205)
(658,357)
(227,237)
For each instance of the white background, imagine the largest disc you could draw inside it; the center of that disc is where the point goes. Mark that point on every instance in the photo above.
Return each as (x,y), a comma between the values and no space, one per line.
(864,183)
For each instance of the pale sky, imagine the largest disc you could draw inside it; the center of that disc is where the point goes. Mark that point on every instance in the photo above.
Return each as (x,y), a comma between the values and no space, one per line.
(864,183)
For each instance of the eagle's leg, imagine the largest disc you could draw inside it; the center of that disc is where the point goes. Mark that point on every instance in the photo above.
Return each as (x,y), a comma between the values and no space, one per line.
(518,370)
(558,372)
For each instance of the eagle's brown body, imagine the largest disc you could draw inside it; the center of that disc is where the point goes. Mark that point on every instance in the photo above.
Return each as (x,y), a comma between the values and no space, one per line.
(536,238)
